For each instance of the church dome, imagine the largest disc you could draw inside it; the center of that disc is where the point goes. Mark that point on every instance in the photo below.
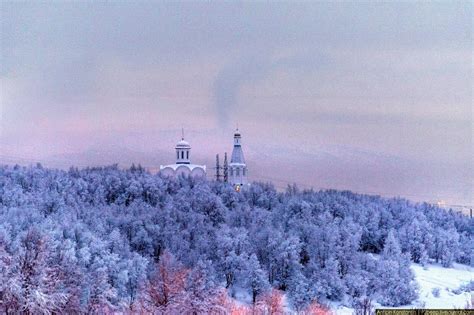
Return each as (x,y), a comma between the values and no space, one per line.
(183,144)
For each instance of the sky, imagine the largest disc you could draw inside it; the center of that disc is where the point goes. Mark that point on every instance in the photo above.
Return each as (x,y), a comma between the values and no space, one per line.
(371,97)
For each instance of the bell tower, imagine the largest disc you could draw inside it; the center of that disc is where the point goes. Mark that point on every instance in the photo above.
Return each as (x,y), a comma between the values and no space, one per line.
(237,167)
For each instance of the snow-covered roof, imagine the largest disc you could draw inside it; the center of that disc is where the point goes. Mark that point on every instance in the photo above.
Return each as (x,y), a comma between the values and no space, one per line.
(182,144)
(237,155)
(190,166)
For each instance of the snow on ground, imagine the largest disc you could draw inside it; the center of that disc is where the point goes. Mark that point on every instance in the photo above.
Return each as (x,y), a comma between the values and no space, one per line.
(435,276)
(447,280)
(428,278)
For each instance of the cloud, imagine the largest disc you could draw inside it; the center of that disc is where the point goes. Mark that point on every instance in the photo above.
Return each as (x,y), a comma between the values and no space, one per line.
(374,75)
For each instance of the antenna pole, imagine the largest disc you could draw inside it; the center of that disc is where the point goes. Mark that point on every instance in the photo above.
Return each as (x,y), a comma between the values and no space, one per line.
(226,169)
(218,169)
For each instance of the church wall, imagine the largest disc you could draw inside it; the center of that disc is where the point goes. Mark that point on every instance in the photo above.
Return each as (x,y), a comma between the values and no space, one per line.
(237,179)
(183,170)
(167,171)
(198,172)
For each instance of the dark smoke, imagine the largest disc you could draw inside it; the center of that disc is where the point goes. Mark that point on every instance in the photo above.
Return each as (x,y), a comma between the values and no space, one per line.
(251,69)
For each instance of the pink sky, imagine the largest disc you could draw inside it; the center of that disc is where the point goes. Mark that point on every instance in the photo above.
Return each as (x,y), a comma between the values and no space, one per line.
(374,98)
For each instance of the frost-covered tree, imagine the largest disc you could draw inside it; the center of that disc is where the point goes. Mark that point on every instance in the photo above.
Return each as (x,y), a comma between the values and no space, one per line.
(32,285)
(104,239)
(98,291)
(132,279)
(256,279)
(396,285)
(8,300)
(199,295)
(300,292)
(415,239)
(391,249)
(270,303)
(166,287)
(446,246)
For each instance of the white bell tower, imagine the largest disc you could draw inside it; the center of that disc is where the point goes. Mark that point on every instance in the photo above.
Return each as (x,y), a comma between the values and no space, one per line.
(237,167)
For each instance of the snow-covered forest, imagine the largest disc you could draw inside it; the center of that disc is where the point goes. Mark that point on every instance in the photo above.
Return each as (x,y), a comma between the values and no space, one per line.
(104,239)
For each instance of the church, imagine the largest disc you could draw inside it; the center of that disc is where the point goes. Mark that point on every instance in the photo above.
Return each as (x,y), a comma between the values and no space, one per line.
(235,173)
(183,162)
(237,167)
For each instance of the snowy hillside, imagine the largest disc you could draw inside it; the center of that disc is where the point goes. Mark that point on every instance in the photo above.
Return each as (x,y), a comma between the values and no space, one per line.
(106,240)
(448,280)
